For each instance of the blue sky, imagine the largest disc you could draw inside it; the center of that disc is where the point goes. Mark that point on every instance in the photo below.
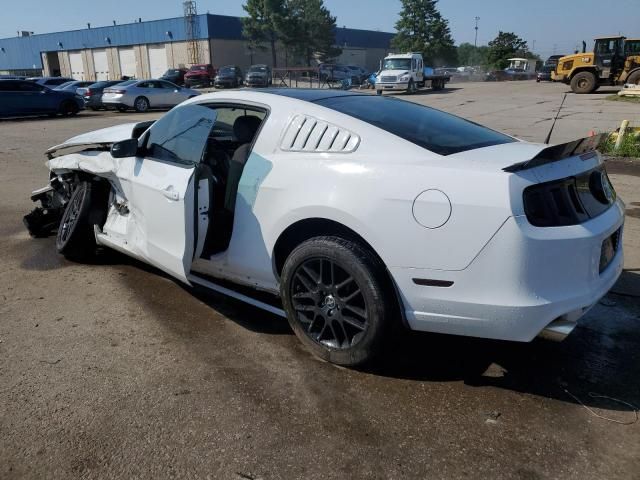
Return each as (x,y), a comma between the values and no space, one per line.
(552,24)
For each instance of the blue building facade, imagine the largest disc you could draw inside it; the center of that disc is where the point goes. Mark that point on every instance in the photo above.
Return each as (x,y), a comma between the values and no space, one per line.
(26,53)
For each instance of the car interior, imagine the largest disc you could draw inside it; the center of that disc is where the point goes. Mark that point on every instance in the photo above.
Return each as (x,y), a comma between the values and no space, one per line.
(226,154)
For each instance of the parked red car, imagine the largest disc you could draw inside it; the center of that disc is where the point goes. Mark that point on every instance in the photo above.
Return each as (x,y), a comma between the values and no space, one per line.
(200,76)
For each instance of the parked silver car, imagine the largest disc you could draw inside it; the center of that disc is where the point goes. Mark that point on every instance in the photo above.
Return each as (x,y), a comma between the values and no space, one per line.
(142,95)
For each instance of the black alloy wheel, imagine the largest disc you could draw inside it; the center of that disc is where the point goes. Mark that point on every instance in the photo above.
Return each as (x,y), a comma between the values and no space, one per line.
(338,299)
(329,303)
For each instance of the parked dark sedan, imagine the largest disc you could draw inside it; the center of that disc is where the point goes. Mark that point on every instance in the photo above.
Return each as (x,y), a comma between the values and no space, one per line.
(228,77)
(93,94)
(174,75)
(51,82)
(23,98)
(258,76)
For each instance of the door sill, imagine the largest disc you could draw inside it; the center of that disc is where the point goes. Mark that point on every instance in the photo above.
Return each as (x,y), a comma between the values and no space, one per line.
(209,283)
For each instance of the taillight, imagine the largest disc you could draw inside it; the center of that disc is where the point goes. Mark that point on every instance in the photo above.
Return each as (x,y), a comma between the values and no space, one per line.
(88,93)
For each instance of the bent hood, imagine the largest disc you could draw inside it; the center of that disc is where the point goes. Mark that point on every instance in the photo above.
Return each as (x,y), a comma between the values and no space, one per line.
(103,137)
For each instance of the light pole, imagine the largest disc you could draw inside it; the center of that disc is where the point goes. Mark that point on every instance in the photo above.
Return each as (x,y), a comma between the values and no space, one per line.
(475,44)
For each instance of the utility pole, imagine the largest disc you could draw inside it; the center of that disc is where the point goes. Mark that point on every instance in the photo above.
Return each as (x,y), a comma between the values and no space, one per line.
(192,30)
(533,46)
(475,44)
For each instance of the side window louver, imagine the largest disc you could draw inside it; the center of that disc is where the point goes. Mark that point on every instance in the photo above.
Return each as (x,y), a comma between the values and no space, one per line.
(308,134)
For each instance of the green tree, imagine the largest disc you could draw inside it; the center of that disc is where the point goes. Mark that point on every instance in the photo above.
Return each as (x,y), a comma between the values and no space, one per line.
(264,24)
(422,29)
(505,45)
(470,55)
(311,30)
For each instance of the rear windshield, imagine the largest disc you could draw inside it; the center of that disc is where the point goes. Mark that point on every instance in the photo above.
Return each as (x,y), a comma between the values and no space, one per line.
(432,129)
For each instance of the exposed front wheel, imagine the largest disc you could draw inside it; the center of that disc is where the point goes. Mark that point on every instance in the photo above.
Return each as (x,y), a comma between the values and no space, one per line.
(337,300)
(584,82)
(378,92)
(141,104)
(75,238)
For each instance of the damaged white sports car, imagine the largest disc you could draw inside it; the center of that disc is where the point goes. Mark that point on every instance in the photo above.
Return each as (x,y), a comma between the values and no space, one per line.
(359,212)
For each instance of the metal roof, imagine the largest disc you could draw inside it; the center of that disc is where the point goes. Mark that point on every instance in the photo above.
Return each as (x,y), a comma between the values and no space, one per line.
(19,53)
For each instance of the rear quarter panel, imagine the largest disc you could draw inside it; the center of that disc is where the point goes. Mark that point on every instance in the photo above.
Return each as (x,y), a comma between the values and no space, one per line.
(371,191)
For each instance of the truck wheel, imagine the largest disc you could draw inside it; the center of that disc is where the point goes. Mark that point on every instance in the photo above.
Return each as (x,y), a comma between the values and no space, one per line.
(583,82)
(378,92)
(75,238)
(411,88)
(634,78)
(337,300)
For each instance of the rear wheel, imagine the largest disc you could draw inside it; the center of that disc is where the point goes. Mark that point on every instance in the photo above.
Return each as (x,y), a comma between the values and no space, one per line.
(141,104)
(584,82)
(86,207)
(337,300)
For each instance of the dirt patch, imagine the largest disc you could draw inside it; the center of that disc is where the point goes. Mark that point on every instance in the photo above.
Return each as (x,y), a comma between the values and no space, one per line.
(623,166)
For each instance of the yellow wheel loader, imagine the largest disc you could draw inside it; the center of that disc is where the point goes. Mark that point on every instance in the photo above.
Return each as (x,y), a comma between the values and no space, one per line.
(614,61)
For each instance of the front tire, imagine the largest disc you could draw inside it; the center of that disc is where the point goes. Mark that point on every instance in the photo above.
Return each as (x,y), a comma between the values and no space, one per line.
(141,104)
(337,300)
(75,238)
(584,82)
(634,78)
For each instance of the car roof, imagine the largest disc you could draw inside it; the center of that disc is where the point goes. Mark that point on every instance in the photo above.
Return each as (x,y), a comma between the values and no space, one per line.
(310,94)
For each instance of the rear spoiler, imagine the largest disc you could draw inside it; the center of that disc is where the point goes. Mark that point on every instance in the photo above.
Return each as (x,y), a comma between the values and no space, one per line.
(585,148)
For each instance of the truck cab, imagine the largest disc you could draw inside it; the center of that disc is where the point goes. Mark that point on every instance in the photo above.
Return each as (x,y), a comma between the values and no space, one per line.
(402,72)
(407,72)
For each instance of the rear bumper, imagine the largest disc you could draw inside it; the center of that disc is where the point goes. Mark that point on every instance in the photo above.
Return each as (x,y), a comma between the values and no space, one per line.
(525,280)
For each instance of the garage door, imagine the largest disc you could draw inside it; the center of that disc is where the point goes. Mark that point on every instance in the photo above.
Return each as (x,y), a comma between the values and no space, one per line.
(77,67)
(101,65)
(127,62)
(157,60)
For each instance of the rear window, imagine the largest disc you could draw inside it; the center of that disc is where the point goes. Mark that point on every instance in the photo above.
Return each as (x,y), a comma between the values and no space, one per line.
(434,130)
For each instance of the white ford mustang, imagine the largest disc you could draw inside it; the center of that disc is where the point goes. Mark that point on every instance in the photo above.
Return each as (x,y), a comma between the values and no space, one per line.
(359,212)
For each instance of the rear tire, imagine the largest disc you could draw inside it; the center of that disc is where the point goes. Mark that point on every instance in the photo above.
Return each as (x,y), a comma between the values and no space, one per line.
(141,104)
(86,207)
(584,82)
(337,299)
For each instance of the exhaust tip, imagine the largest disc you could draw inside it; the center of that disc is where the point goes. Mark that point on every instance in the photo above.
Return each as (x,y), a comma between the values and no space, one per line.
(558,330)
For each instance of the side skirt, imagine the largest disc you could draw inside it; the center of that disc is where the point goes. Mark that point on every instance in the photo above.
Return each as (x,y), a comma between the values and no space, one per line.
(238,296)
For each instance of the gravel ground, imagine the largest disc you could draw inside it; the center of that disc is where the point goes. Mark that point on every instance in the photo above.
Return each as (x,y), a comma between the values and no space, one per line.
(113,370)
